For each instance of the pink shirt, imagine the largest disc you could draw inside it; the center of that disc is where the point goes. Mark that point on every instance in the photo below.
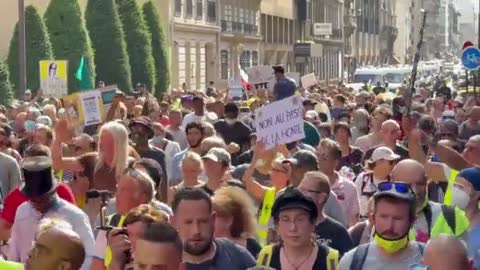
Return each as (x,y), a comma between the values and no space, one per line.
(347,196)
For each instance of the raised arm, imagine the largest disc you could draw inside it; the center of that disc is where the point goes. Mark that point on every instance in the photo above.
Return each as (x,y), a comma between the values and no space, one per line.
(63,134)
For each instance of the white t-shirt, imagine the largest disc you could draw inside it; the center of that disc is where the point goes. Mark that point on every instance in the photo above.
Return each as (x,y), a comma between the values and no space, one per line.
(210,117)
(369,187)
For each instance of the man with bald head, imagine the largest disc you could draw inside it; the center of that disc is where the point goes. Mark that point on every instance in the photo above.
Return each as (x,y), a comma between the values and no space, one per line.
(57,247)
(390,132)
(432,218)
(446,252)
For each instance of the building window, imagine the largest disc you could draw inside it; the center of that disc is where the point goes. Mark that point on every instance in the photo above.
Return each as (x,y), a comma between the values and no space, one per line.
(254,58)
(245,60)
(178,8)
(212,10)
(189,10)
(224,64)
(199,8)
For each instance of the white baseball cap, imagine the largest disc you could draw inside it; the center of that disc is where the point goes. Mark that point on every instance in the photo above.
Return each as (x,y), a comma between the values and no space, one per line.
(311,115)
(384,153)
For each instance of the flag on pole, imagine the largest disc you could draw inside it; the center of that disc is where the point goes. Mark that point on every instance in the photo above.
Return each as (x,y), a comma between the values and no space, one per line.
(244,79)
(83,75)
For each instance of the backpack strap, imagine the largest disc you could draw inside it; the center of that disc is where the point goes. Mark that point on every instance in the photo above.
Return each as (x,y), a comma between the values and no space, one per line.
(332,259)
(359,257)
(365,179)
(449,215)
(265,256)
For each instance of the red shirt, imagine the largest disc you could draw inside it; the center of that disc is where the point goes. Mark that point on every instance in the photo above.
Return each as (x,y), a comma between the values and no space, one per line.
(15,198)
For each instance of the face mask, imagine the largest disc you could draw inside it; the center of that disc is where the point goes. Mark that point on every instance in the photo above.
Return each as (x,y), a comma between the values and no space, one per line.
(29,125)
(157,139)
(391,246)
(460,198)
(230,121)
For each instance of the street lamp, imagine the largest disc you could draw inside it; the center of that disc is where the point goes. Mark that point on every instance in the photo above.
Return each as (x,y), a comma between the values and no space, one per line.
(22,82)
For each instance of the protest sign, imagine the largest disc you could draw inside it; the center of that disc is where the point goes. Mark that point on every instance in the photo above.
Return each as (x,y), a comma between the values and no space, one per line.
(260,74)
(92,106)
(280,122)
(73,109)
(308,80)
(235,89)
(108,93)
(53,78)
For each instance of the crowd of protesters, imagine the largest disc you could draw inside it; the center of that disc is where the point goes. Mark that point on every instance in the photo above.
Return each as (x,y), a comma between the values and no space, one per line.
(183,182)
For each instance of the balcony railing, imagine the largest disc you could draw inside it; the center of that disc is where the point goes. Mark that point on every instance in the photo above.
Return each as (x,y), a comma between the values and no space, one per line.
(237,27)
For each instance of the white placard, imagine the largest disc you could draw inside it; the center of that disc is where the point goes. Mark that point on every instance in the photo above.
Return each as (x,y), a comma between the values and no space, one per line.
(308,80)
(91,107)
(322,29)
(235,89)
(260,74)
(280,122)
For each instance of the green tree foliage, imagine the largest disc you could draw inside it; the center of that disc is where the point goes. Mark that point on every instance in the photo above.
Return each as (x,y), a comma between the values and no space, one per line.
(38,47)
(105,29)
(69,37)
(6,92)
(138,40)
(159,47)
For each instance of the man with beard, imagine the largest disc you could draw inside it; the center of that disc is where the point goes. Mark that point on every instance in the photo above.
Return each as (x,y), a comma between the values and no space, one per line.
(393,216)
(141,131)
(199,113)
(195,134)
(194,220)
(233,130)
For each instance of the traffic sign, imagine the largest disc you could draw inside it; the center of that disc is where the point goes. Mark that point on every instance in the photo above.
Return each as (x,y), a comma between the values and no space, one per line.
(471,58)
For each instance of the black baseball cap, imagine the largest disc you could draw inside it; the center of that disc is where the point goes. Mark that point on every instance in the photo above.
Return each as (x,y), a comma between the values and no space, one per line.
(303,158)
(278,68)
(292,198)
(309,102)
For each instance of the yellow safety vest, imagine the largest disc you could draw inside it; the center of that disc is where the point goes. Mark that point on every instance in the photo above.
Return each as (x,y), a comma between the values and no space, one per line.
(440,224)
(451,181)
(108,252)
(265,214)
(265,257)
(6,265)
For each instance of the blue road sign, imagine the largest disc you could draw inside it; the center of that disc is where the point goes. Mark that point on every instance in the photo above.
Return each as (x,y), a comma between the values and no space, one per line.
(471,58)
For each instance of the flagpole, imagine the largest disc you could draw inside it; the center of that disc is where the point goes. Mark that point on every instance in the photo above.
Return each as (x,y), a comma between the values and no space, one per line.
(22,80)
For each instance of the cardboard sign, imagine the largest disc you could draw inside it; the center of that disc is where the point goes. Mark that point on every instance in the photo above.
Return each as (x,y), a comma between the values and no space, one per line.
(260,74)
(280,122)
(308,80)
(53,78)
(235,89)
(92,106)
(108,93)
(73,109)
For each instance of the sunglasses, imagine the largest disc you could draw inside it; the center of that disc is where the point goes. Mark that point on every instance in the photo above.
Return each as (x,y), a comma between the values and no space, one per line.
(399,187)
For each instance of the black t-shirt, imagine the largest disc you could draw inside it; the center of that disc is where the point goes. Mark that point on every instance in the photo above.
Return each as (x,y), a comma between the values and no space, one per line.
(158,155)
(253,247)
(238,133)
(229,256)
(333,234)
(205,188)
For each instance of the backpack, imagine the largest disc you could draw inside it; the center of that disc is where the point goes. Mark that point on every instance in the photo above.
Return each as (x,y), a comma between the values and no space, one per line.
(360,255)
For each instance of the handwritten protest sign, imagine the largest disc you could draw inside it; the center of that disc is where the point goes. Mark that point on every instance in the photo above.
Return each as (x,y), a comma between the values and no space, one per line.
(73,109)
(235,89)
(53,78)
(108,93)
(308,80)
(260,74)
(280,122)
(92,106)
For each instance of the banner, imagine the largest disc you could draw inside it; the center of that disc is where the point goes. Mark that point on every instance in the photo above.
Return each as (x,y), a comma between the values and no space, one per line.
(308,80)
(53,78)
(280,122)
(260,74)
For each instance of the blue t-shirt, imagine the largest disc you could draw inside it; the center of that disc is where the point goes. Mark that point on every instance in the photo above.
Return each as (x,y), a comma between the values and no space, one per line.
(229,256)
(284,88)
(474,245)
